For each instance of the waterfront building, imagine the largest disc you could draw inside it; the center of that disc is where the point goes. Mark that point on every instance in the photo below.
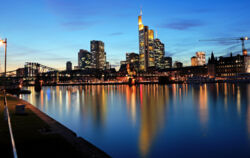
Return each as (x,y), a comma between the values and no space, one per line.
(123,62)
(20,72)
(76,67)
(211,66)
(98,55)
(194,61)
(178,64)
(167,63)
(84,59)
(183,73)
(228,66)
(159,52)
(146,46)
(132,57)
(31,69)
(108,66)
(245,52)
(133,60)
(247,63)
(68,66)
(201,58)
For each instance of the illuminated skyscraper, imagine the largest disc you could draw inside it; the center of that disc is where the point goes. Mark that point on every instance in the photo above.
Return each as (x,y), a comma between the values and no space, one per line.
(159,52)
(146,46)
(201,58)
(99,55)
(133,60)
(167,62)
(194,61)
(84,59)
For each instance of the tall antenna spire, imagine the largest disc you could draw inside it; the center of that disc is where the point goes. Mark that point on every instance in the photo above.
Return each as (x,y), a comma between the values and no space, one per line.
(156,35)
(141,11)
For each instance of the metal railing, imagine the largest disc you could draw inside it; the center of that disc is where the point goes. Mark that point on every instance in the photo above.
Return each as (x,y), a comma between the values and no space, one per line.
(7,118)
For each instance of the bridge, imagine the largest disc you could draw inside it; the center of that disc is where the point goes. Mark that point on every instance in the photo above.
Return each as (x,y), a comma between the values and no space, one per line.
(29,73)
(30,70)
(49,75)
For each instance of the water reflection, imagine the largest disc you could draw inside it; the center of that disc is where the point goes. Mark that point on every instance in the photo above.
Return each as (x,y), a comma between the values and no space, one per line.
(95,104)
(131,102)
(248,110)
(152,115)
(144,116)
(203,105)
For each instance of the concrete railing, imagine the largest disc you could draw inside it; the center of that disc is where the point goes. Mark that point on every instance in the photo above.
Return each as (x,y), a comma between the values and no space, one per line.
(7,118)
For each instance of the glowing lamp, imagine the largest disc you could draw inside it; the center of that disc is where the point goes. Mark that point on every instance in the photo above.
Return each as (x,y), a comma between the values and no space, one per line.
(244,52)
(1,42)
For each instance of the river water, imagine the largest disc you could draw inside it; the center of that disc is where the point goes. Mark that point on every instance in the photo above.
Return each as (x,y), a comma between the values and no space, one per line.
(208,120)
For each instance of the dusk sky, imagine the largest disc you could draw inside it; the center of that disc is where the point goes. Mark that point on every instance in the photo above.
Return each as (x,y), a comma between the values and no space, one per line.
(51,32)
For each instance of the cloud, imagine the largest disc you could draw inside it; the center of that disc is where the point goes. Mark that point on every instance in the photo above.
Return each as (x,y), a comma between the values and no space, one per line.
(227,42)
(182,24)
(201,10)
(116,34)
(79,14)
(169,54)
(77,25)
(79,9)
(74,14)
(58,59)
(24,53)
(73,9)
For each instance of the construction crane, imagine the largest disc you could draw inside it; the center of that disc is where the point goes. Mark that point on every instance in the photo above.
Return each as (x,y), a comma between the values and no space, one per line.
(242,39)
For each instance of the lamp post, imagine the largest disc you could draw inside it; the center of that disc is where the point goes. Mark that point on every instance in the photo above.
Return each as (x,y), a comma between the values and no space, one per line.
(5,60)
(5,52)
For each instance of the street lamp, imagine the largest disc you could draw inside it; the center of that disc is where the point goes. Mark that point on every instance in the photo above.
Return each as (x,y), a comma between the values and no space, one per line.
(5,58)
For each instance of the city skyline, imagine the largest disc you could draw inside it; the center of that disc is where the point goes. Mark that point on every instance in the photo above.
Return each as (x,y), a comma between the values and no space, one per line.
(52,32)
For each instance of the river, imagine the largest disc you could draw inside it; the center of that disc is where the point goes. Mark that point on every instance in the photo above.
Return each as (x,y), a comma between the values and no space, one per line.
(208,120)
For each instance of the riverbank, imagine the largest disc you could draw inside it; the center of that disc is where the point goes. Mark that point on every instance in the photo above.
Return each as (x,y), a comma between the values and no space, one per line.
(91,83)
(142,83)
(38,135)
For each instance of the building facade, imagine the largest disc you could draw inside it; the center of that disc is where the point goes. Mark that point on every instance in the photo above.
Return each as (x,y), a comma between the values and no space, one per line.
(98,54)
(201,58)
(68,66)
(133,60)
(178,64)
(84,59)
(228,66)
(159,52)
(167,63)
(20,72)
(108,66)
(194,61)
(146,46)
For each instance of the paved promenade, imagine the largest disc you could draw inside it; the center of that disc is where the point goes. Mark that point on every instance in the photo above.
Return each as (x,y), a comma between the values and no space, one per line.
(38,135)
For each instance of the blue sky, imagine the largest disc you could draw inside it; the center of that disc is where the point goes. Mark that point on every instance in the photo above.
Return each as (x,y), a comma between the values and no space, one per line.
(51,32)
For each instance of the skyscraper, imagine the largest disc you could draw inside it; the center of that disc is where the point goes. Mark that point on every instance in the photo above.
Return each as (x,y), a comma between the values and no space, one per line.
(84,59)
(201,58)
(194,61)
(133,60)
(178,64)
(167,62)
(99,55)
(68,66)
(146,46)
(159,52)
